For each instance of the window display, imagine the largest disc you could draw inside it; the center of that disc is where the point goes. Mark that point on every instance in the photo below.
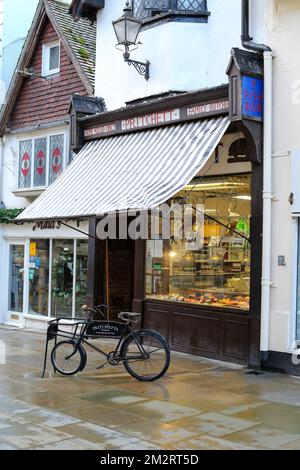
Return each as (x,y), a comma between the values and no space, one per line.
(16,278)
(62,278)
(39,277)
(217,272)
(81,275)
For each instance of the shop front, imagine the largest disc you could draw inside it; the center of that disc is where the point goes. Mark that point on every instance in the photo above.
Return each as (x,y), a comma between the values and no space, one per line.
(202,291)
(47,272)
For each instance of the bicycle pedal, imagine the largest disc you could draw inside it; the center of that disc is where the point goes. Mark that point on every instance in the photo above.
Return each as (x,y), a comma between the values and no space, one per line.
(102,366)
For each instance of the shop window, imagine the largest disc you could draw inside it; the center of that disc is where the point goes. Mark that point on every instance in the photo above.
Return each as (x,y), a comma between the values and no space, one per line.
(51,59)
(41,161)
(146,9)
(25,163)
(39,277)
(62,278)
(16,278)
(81,275)
(57,277)
(215,271)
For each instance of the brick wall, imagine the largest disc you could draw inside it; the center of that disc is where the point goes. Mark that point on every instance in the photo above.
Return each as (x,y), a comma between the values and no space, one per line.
(41,100)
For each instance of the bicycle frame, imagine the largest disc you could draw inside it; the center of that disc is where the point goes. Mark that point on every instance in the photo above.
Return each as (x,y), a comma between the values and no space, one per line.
(81,335)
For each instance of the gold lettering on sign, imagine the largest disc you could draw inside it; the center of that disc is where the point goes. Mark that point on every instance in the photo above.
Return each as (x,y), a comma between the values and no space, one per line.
(148,120)
(95,131)
(208,108)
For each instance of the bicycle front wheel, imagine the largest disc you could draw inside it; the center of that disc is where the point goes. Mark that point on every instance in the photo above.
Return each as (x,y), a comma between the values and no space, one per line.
(68,358)
(147,355)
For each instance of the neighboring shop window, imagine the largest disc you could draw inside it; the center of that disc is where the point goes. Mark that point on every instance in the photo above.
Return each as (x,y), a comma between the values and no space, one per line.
(16,278)
(57,269)
(39,276)
(56,162)
(25,163)
(81,275)
(215,272)
(62,278)
(41,161)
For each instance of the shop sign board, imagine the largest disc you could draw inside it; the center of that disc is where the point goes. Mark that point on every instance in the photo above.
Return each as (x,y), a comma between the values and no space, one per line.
(158,119)
(252,97)
(46,225)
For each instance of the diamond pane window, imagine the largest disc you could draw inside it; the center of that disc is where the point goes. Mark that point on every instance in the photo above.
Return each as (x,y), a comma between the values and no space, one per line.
(144,9)
(191,5)
(56,161)
(54,58)
(40,162)
(25,163)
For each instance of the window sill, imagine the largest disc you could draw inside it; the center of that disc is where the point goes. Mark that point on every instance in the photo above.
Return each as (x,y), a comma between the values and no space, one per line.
(50,75)
(180,16)
(29,192)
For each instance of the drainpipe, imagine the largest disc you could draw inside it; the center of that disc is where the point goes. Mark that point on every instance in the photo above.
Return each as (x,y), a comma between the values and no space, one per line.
(2,206)
(247,42)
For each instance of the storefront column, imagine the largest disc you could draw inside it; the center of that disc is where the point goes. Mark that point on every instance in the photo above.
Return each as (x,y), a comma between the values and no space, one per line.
(139,276)
(256,268)
(96,252)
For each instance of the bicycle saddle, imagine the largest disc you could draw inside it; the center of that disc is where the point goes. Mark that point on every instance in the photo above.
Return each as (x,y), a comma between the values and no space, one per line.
(130,316)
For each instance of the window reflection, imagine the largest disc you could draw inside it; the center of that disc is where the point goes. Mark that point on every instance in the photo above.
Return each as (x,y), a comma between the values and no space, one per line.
(39,277)
(81,275)
(16,278)
(62,278)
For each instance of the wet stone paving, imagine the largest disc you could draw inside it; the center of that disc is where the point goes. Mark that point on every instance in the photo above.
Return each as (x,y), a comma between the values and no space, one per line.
(200,404)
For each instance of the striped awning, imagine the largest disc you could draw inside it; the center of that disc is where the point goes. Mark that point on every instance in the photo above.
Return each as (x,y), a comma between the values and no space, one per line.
(133,171)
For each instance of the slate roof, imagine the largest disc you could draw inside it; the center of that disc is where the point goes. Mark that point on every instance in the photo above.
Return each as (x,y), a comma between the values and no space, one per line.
(78,39)
(81,36)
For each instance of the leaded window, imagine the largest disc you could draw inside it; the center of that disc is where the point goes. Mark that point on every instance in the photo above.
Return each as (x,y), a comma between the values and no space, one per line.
(25,163)
(56,162)
(40,162)
(144,9)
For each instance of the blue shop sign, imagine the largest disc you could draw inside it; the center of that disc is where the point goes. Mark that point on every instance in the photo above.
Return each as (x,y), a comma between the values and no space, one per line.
(252,97)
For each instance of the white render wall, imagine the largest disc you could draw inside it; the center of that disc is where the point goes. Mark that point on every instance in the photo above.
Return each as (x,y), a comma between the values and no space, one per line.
(283,35)
(184,56)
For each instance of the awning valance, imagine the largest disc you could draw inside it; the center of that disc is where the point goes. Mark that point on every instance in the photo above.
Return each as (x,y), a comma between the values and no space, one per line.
(133,171)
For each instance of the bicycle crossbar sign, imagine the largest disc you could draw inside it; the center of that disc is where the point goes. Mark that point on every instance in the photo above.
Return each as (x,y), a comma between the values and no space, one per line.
(106,329)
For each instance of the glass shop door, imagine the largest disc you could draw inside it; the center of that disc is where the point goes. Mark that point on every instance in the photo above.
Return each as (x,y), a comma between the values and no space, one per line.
(16,280)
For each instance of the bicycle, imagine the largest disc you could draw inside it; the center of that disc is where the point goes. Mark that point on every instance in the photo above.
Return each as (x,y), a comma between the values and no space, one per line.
(145,354)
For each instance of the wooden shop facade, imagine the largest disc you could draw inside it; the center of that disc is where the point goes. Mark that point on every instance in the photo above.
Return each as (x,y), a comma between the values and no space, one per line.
(202,148)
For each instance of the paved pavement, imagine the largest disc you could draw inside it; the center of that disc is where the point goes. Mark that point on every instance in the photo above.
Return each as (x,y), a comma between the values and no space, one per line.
(200,404)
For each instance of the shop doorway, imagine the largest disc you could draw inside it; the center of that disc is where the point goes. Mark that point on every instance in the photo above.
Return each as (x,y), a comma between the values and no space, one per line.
(119,276)
(16,282)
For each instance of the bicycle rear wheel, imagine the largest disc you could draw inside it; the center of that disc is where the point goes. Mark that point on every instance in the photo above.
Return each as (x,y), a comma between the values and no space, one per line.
(68,358)
(147,355)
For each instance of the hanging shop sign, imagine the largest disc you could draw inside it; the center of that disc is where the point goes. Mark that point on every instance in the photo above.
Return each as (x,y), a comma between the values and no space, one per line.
(246,86)
(157,119)
(252,97)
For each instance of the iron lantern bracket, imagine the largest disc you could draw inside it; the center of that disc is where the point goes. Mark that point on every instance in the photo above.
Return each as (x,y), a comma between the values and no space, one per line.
(143,68)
